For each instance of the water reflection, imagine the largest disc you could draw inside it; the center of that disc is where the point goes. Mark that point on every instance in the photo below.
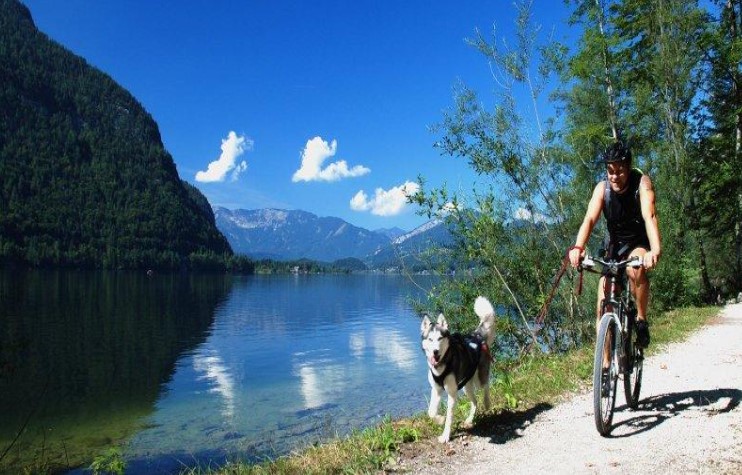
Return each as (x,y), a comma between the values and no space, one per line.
(222,383)
(320,382)
(392,347)
(185,371)
(288,361)
(84,356)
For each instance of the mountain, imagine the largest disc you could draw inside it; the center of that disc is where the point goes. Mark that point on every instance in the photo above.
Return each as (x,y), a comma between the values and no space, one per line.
(287,235)
(85,180)
(413,247)
(295,234)
(391,233)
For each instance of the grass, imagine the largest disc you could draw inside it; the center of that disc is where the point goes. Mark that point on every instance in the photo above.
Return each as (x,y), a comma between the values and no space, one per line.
(522,386)
(62,443)
(362,451)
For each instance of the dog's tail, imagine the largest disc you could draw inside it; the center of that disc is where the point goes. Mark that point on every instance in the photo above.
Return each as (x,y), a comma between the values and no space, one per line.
(483,308)
(486,313)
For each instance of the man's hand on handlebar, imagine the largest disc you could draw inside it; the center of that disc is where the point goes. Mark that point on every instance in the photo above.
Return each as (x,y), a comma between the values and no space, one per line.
(650,260)
(587,262)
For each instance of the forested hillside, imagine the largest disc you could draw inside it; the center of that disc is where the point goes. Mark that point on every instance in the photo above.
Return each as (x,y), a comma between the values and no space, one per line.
(84,178)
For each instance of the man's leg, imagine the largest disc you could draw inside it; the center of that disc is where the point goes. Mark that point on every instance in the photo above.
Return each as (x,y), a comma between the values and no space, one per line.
(640,289)
(601,296)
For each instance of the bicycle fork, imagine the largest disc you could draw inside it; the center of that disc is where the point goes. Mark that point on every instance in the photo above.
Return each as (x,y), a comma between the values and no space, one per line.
(618,344)
(627,347)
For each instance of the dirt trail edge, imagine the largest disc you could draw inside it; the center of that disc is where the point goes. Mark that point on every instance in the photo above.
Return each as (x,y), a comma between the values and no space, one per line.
(689,421)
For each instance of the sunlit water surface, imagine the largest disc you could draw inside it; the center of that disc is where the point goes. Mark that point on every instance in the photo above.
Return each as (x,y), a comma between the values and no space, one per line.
(195,371)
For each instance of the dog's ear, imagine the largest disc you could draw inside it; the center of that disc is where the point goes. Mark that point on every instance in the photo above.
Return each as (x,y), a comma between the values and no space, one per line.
(442,322)
(425,325)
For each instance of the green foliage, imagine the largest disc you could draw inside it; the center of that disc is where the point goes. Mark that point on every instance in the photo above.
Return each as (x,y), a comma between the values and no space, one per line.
(639,72)
(84,178)
(509,235)
(664,58)
(504,387)
(386,438)
(350,264)
(109,462)
(716,176)
(307,266)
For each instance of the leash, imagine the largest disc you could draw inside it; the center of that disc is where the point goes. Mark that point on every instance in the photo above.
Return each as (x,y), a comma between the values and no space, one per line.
(486,349)
(565,263)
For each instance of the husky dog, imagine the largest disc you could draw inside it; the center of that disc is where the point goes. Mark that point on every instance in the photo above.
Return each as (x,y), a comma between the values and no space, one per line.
(458,361)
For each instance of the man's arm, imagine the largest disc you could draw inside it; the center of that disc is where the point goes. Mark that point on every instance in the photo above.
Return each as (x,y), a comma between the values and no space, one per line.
(592,216)
(646,199)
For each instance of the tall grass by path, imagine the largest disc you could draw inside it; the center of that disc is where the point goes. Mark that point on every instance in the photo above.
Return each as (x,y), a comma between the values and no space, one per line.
(534,381)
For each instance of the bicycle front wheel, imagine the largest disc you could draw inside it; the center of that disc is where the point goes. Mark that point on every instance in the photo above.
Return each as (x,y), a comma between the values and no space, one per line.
(632,379)
(605,378)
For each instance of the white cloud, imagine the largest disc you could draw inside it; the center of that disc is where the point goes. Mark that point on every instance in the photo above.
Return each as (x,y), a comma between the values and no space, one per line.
(238,170)
(313,156)
(525,215)
(385,202)
(447,209)
(232,147)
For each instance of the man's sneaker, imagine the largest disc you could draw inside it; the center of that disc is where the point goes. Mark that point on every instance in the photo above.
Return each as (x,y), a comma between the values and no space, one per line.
(605,388)
(642,333)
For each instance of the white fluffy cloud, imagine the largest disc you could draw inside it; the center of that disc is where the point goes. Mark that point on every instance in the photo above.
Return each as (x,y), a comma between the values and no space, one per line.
(385,202)
(525,215)
(232,147)
(313,156)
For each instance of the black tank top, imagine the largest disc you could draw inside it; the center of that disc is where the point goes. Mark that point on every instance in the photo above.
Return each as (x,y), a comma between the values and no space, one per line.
(623,215)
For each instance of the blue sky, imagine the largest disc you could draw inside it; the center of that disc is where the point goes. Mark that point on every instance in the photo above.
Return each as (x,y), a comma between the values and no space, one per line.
(323,106)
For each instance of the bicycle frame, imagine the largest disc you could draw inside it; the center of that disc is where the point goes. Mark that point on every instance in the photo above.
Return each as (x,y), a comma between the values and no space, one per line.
(615,275)
(614,351)
(619,303)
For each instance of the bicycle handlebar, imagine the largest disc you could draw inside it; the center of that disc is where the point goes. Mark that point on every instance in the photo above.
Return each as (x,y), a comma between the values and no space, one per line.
(612,266)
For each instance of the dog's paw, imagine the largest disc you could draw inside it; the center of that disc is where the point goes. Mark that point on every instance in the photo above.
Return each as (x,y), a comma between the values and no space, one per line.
(444,438)
(467,425)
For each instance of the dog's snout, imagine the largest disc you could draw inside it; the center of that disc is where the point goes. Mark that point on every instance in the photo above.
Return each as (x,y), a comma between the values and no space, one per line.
(436,353)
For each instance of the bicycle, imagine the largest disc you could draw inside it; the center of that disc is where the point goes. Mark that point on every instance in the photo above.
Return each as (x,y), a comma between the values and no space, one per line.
(615,342)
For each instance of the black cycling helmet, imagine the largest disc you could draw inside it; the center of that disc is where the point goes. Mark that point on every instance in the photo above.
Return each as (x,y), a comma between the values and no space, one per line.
(618,152)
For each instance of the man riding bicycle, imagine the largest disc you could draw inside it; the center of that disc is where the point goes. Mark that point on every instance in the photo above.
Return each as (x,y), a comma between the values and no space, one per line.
(626,198)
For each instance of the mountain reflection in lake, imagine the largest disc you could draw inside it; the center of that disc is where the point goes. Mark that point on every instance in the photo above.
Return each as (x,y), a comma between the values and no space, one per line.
(184,371)
(83,356)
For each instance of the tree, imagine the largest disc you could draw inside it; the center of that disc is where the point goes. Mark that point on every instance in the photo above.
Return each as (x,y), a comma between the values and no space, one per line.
(647,84)
(718,182)
(629,78)
(85,180)
(510,230)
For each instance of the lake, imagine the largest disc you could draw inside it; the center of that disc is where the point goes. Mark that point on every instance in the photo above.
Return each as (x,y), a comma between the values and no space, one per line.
(186,370)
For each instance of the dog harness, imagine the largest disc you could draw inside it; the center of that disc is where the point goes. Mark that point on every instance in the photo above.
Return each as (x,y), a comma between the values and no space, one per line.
(470,348)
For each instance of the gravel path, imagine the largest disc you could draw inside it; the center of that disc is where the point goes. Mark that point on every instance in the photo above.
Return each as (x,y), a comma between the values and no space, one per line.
(689,421)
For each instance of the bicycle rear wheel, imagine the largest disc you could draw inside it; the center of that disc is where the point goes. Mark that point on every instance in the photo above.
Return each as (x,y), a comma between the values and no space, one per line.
(632,378)
(604,382)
